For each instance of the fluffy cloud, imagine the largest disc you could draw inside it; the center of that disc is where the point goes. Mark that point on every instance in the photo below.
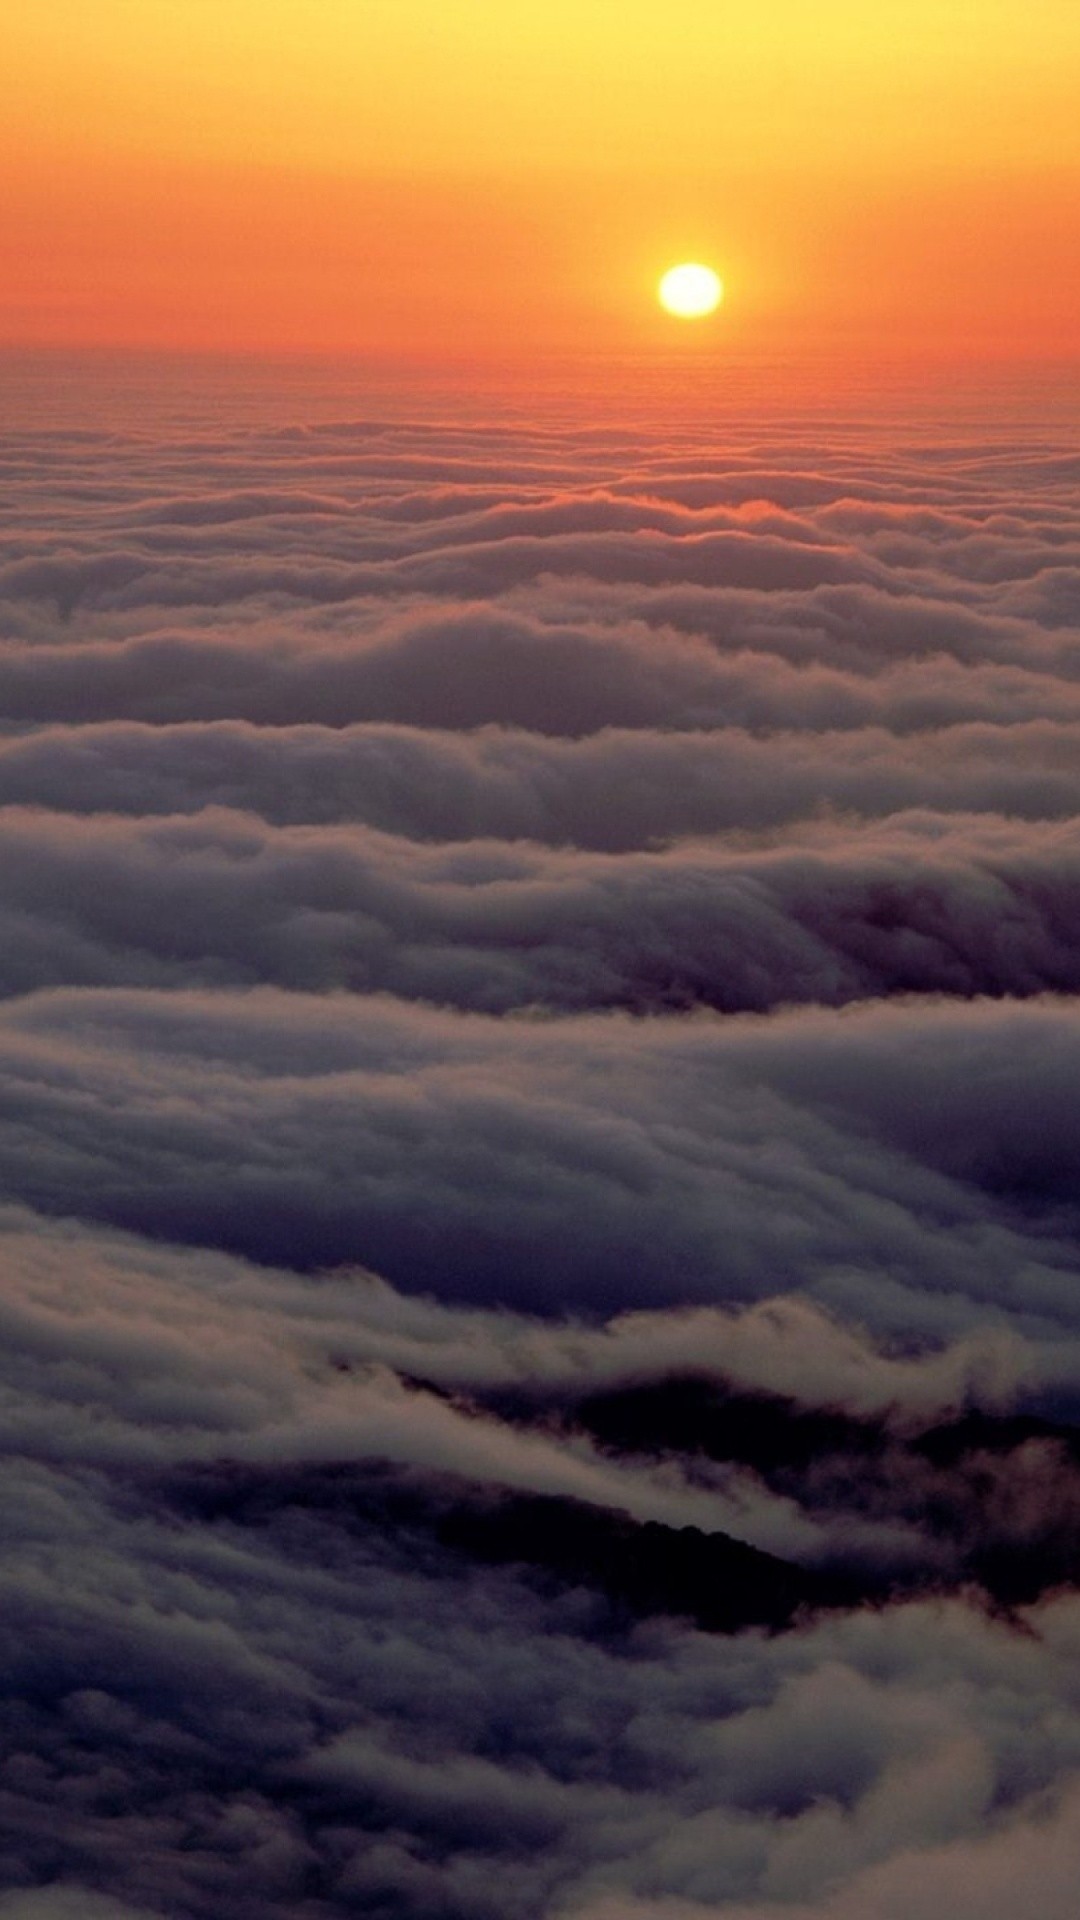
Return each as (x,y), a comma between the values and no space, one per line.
(924,903)
(612,791)
(541,1350)
(921,1158)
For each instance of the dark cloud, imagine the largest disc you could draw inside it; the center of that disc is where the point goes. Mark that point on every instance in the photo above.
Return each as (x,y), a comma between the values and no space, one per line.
(255,1667)
(929,1151)
(540,1361)
(612,791)
(839,912)
(472,665)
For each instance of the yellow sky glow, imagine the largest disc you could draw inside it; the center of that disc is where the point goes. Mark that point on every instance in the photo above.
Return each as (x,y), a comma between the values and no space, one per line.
(457,177)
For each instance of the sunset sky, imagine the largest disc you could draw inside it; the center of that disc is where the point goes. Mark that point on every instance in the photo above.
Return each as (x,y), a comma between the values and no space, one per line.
(418,177)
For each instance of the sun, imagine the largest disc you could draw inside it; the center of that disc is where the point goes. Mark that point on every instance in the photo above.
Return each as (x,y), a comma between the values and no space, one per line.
(690,291)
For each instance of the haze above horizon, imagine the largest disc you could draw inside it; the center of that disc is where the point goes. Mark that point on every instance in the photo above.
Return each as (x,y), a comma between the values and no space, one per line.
(479,181)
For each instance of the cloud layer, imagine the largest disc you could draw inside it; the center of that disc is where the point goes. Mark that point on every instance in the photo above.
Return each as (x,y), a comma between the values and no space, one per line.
(539,1017)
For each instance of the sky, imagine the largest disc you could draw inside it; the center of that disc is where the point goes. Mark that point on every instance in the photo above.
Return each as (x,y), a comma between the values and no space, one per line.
(477,180)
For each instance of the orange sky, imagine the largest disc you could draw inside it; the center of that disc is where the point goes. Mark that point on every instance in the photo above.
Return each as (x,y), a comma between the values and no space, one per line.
(498,177)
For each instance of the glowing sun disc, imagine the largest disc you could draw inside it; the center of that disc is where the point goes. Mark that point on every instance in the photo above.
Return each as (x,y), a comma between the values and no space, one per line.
(690,291)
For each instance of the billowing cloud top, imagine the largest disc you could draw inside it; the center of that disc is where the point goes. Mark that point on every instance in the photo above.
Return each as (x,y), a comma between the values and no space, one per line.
(539,1158)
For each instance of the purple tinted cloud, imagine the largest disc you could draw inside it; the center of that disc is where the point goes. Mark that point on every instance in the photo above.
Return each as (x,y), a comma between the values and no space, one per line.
(541,1355)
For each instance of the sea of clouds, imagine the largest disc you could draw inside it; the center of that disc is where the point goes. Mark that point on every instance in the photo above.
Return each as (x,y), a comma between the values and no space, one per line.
(540,1171)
